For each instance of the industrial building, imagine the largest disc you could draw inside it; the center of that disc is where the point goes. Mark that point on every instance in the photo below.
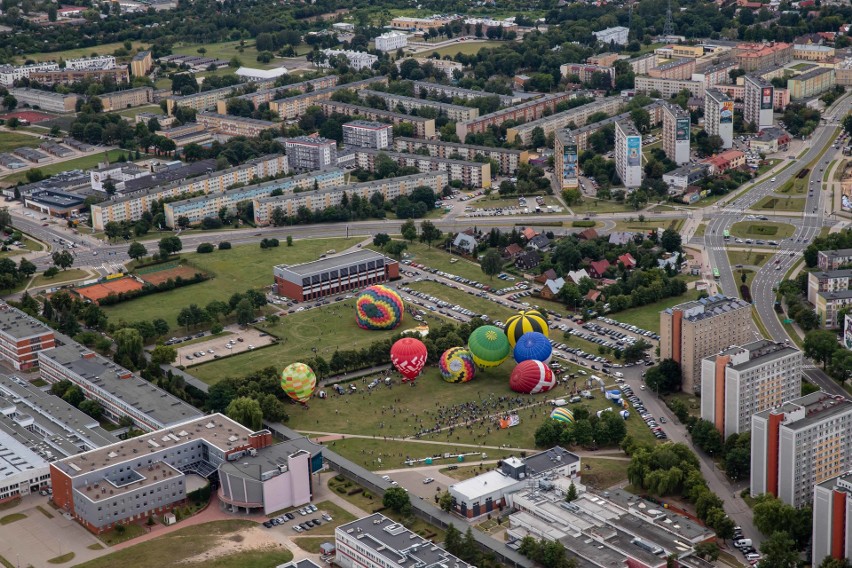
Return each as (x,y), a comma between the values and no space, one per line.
(676,134)
(368,134)
(719,116)
(741,381)
(691,331)
(22,337)
(334,275)
(628,153)
(758,102)
(54,203)
(800,444)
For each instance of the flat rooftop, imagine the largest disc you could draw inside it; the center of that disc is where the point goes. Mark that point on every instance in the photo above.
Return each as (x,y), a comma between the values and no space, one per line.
(216,429)
(709,307)
(267,459)
(759,353)
(484,484)
(837,295)
(817,406)
(18,325)
(123,385)
(836,253)
(16,458)
(829,274)
(812,74)
(331,262)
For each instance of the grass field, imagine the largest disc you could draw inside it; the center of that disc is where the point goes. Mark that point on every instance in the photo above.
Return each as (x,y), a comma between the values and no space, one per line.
(29,245)
(440,259)
(466,471)
(377,454)
(70,275)
(13,140)
(228,49)
(132,112)
(175,548)
(779,204)
(699,232)
(82,163)
(648,317)
(467,48)
(104,49)
(590,205)
(762,230)
(647,225)
(603,473)
(748,257)
(235,270)
(749,274)
(12,518)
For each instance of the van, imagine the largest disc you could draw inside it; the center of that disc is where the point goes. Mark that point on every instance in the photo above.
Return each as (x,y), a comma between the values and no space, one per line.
(619,375)
(742,543)
(752,556)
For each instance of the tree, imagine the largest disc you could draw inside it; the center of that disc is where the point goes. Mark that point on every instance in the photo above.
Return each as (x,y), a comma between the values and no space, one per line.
(74,396)
(163,355)
(409,231)
(26,268)
(5,218)
(93,408)
(62,259)
(429,233)
(664,378)
(245,312)
(396,248)
(491,263)
(205,248)
(10,102)
(169,246)
(396,499)
(381,239)
(572,492)
(51,272)
(738,463)
(820,345)
(445,502)
(779,551)
(136,250)
(707,550)
(670,240)
(246,411)
(129,348)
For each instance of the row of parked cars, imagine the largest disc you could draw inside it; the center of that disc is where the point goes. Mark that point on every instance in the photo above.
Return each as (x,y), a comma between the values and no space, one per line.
(744,545)
(176,340)
(640,409)
(630,328)
(305,526)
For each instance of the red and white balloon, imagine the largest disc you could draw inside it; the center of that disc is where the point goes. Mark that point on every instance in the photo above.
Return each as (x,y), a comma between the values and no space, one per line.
(408,356)
(531,377)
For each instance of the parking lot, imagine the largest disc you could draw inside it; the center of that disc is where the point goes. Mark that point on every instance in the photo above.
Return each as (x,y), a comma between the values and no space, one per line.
(233,340)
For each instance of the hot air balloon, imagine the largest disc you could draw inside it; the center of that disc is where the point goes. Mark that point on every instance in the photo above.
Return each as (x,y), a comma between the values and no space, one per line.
(531,377)
(533,346)
(378,307)
(488,345)
(456,365)
(524,321)
(408,355)
(562,415)
(298,381)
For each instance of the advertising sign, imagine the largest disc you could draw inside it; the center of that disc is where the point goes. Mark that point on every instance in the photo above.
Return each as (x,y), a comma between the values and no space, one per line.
(846,200)
(569,162)
(766,98)
(726,115)
(847,332)
(682,129)
(634,151)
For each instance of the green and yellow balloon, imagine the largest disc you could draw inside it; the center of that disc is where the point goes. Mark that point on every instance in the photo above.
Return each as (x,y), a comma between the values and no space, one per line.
(489,346)
(299,381)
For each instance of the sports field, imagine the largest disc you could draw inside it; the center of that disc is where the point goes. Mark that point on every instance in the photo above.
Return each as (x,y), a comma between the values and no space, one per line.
(103,49)
(173,272)
(467,48)
(13,140)
(96,292)
(82,163)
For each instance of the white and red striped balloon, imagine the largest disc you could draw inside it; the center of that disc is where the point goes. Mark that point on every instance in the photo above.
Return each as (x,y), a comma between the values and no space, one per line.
(531,377)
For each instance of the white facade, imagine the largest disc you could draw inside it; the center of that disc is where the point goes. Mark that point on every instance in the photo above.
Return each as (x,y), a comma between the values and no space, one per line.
(719,116)
(99,62)
(676,133)
(357,59)
(628,154)
(758,102)
(27,471)
(617,35)
(9,73)
(391,41)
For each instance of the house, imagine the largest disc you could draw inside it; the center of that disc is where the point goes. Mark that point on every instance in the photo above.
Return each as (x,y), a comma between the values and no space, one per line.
(528,233)
(527,260)
(540,242)
(587,235)
(668,259)
(512,250)
(594,295)
(577,275)
(520,81)
(598,267)
(465,242)
(627,260)
(548,274)
(620,238)
(551,288)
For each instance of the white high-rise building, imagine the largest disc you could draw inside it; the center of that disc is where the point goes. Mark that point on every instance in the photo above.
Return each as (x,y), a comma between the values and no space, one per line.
(758,102)
(617,35)
(391,41)
(676,131)
(719,116)
(628,153)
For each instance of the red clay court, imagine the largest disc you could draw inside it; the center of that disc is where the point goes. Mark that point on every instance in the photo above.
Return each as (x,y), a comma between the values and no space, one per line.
(172,272)
(30,116)
(96,292)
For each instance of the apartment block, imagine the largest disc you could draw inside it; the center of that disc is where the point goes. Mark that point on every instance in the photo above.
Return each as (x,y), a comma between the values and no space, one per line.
(391,41)
(605,59)
(368,134)
(642,65)
(261,96)
(435,90)
(455,113)
(128,98)
(676,134)
(471,174)
(566,158)
(131,205)
(334,275)
(628,153)
(585,72)
(828,304)
(45,100)
(668,87)
(554,122)
(827,281)
(22,337)
(227,125)
(532,110)
(207,100)
(758,101)
(832,519)
(141,64)
(290,201)
(741,381)
(813,52)
(292,107)
(10,73)
(197,209)
(679,69)
(834,259)
(507,159)
(97,62)
(691,331)
(719,116)
(309,153)
(70,76)
(120,392)
(617,35)
(754,56)
(718,74)
(581,135)
(423,127)
(680,51)
(799,445)
(357,59)
(448,66)
(811,84)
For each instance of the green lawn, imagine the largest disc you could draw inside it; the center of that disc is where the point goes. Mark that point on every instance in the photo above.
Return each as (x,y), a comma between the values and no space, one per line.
(590,205)
(647,225)
(226,50)
(82,163)
(67,557)
(762,230)
(699,232)
(648,317)
(781,204)
(132,112)
(748,257)
(12,518)
(104,49)
(603,473)
(467,48)
(175,548)
(235,270)
(70,275)
(13,140)
(29,245)
(377,454)
(440,259)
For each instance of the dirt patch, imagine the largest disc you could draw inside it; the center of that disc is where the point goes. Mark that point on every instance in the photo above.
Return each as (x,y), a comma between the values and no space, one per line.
(252,539)
(183,271)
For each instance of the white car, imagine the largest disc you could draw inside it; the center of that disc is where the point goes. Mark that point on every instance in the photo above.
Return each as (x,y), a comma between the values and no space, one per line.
(428,480)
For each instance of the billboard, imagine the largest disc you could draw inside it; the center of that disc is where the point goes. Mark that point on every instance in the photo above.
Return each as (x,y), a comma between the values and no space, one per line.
(569,162)
(846,199)
(634,151)
(766,97)
(682,129)
(726,114)
(847,332)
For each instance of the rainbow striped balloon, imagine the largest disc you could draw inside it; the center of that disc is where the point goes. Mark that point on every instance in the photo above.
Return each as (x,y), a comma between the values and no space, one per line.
(456,365)
(562,415)
(379,307)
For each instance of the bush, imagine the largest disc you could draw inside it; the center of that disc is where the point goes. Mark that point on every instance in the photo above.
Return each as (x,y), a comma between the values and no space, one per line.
(205,248)
(224,245)
(582,224)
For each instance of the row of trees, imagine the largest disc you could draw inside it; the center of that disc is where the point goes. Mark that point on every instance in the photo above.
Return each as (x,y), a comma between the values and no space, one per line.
(735,451)
(244,307)
(587,431)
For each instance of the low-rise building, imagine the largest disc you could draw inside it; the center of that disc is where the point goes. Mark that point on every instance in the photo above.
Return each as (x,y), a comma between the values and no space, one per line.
(261,96)
(95,62)
(585,72)
(45,100)
(357,59)
(471,174)
(334,275)
(811,84)
(423,127)
(828,304)
(391,41)
(686,175)
(827,281)
(447,66)
(455,113)
(70,76)
(769,140)
(118,100)
(10,73)
(578,116)
(834,259)
(22,337)
(426,89)
(727,160)
(292,107)
(54,203)
(813,52)
(229,126)
(754,56)
(254,74)
(508,159)
(525,112)
(616,35)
